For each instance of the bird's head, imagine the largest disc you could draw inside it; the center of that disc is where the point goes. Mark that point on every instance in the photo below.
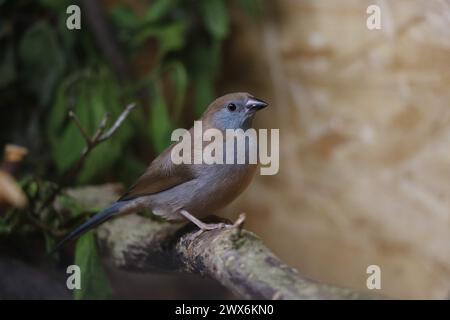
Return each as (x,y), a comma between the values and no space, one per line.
(233,111)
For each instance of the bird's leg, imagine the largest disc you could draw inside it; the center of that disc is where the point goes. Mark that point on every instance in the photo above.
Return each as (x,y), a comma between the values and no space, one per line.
(200,224)
(203,226)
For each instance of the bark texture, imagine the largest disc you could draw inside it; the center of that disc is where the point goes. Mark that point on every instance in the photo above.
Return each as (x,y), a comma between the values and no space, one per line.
(234,257)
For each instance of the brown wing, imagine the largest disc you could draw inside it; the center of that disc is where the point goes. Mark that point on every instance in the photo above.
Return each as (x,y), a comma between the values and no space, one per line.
(161,175)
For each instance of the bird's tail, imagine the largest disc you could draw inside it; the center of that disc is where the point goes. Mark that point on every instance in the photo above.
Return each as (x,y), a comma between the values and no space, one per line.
(94,221)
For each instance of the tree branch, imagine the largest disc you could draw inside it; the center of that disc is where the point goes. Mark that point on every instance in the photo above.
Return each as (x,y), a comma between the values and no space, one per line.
(77,121)
(234,257)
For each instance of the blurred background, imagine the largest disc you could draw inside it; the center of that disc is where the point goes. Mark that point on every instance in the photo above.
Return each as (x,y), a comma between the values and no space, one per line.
(363,114)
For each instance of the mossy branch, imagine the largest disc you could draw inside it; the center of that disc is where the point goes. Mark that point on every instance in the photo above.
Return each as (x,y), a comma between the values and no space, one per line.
(234,257)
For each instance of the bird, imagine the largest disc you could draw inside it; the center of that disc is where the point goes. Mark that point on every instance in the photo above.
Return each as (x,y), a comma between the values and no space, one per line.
(180,192)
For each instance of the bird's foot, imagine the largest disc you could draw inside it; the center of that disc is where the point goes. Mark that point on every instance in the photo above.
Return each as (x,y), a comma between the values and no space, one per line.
(201,225)
(238,224)
(214,226)
(208,227)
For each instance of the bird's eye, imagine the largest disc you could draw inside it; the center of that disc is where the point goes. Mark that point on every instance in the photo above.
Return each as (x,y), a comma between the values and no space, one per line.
(231,107)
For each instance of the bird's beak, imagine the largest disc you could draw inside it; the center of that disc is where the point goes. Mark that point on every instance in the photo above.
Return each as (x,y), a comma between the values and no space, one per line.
(254,104)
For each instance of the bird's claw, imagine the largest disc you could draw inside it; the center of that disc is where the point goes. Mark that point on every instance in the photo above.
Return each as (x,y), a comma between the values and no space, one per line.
(214,226)
(208,227)
(238,224)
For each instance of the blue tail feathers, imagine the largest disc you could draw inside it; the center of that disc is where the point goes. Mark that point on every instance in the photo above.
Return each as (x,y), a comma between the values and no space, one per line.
(94,221)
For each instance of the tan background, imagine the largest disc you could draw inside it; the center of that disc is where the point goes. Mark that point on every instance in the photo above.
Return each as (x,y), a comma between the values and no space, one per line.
(364,124)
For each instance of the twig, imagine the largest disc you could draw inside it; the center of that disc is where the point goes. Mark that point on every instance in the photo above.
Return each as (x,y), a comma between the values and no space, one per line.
(91,142)
(75,119)
(97,138)
(118,123)
(101,128)
(40,225)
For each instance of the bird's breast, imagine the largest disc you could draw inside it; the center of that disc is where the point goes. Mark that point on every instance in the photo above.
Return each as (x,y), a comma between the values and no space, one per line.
(214,187)
(223,183)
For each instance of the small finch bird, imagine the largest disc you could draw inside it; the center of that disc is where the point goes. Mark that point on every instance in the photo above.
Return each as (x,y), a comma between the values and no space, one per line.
(189,191)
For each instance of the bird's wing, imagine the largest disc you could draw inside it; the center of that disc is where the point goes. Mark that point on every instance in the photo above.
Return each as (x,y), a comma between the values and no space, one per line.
(162,174)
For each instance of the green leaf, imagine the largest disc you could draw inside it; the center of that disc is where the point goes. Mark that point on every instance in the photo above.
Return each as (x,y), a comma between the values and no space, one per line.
(204,92)
(179,79)
(66,139)
(171,37)
(215,16)
(105,99)
(68,39)
(68,148)
(30,186)
(6,225)
(161,125)
(50,242)
(124,18)
(71,205)
(43,60)
(63,103)
(94,283)
(205,64)
(159,9)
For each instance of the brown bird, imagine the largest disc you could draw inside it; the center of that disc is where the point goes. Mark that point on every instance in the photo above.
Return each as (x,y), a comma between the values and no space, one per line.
(190,191)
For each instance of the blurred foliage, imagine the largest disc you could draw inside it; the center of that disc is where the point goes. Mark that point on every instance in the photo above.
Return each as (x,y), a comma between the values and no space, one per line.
(174,52)
(94,284)
(76,93)
(50,221)
(46,70)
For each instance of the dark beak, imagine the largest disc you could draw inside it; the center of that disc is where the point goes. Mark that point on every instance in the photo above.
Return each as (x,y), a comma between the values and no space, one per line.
(254,104)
